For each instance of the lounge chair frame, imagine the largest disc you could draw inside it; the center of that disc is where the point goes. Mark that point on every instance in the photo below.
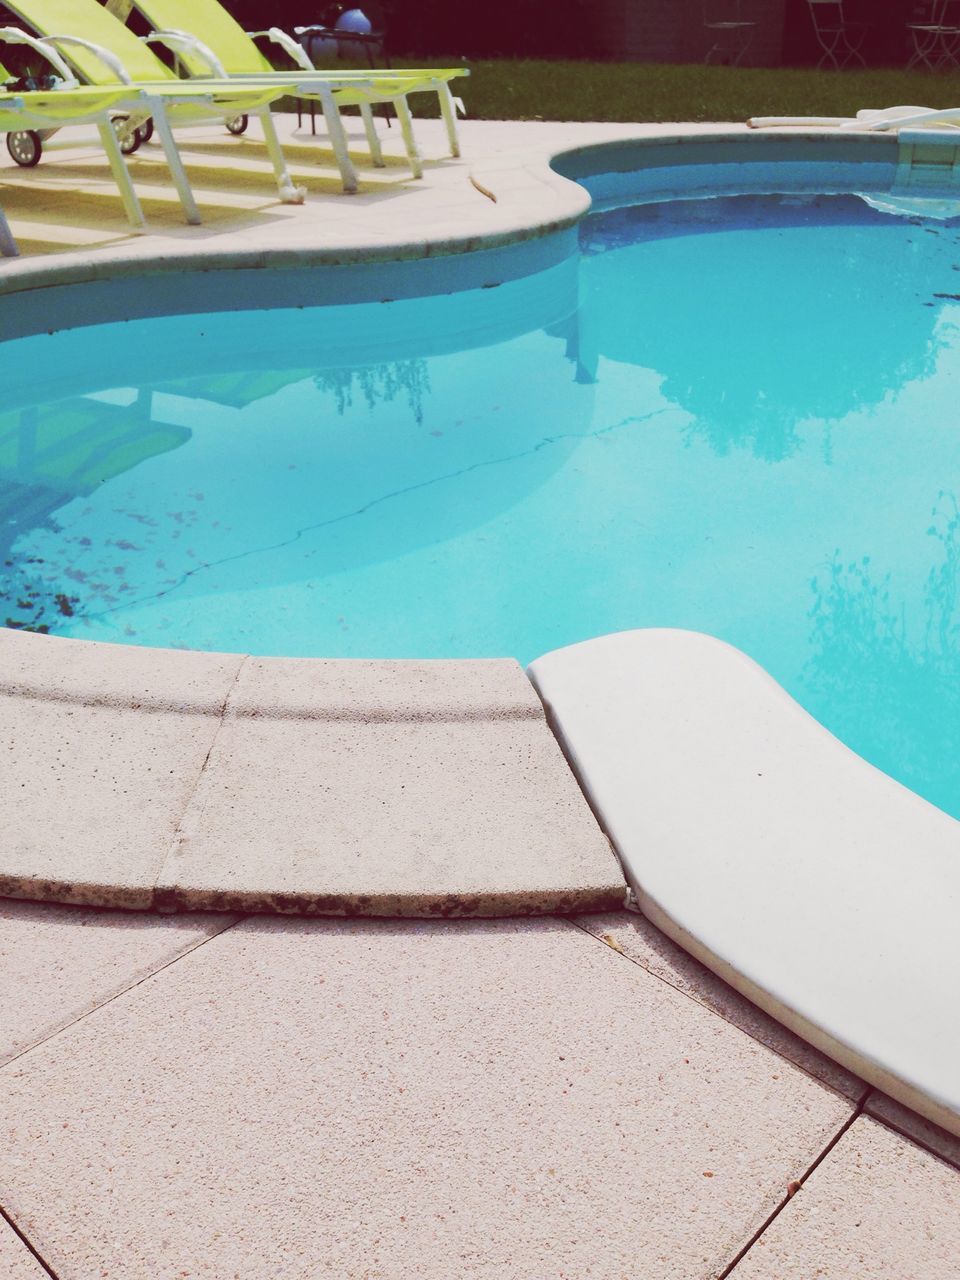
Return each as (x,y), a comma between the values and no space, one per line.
(156,101)
(202,55)
(438,82)
(182,42)
(53,109)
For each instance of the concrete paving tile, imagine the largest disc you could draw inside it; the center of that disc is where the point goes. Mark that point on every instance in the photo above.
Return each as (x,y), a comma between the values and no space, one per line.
(388,788)
(897,1116)
(643,943)
(16,1260)
(878,1208)
(101,747)
(58,963)
(368,1099)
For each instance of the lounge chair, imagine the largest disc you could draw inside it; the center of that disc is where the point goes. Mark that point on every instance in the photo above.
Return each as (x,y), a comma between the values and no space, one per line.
(108,54)
(69,104)
(209,41)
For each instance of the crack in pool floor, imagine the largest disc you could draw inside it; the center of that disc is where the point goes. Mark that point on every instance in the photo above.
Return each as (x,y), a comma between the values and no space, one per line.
(546,442)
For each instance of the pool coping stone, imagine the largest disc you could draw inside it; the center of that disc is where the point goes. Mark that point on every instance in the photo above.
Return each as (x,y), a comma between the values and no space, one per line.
(520,197)
(178,780)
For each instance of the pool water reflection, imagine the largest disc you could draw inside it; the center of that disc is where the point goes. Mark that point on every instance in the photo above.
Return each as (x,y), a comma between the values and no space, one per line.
(748,426)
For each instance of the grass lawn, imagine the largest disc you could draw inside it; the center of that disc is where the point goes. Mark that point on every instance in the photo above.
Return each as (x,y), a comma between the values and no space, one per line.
(535,90)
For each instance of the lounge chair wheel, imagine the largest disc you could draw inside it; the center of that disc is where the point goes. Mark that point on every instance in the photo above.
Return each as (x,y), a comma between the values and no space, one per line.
(130,139)
(145,131)
(25,147)
(238,125)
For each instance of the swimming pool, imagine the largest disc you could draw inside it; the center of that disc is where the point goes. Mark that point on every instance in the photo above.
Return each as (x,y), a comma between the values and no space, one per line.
(733,415)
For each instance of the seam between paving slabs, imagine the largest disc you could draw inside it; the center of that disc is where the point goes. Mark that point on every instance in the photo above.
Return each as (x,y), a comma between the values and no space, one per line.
(158,900)
(858,1101)
(953,1160)
(24,1240)
(856,1105)
(731,1266)
(229,921)
(232,922)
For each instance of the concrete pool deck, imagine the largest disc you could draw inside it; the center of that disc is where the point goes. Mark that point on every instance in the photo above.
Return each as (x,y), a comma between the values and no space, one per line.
(211,1095)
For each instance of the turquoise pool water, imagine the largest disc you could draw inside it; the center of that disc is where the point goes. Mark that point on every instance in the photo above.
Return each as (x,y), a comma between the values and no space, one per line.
(742,418)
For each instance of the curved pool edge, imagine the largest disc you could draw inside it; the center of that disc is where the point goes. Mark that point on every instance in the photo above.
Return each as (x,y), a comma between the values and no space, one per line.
(541,205)
(532,200)
(180,780)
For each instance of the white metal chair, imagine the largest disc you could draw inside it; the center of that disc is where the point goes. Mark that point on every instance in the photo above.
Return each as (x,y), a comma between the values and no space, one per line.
(839,39)
(729,31)
(936,37)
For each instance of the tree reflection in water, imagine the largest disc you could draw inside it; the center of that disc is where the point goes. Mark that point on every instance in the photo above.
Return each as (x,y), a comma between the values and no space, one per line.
(380,382)
(877,676)
(760,313)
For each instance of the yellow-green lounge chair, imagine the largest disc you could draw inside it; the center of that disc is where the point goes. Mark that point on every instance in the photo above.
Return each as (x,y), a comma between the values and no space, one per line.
(109,51)
(201,30)
(70,104)
(108,54)
(209,41)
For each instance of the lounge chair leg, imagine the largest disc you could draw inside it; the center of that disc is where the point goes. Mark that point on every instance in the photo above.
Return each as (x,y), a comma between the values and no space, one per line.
(289,194)
(449,113)
(373,141)
(174,162)
(121,174)
(410,142)
(338,140)
(8,246)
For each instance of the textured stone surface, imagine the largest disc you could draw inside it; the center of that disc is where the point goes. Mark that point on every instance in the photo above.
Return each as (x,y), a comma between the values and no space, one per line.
(878,1208)
(945,1145)
(16,1260)
(343,787)
(347,1099)
(364,691)
(52,669)
(101,747)
(58,963)
(643,943)
(809,880)
(388,789)
(243,218)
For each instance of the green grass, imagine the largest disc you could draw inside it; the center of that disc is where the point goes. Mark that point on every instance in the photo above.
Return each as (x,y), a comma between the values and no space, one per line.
(535,90)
